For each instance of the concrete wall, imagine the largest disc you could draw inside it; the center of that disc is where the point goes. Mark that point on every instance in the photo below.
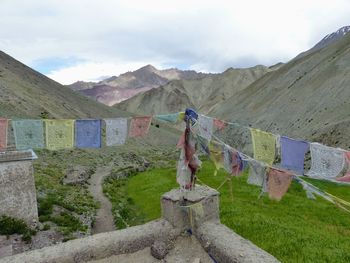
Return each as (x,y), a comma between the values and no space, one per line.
(226,246)
(99,246)
(17,191)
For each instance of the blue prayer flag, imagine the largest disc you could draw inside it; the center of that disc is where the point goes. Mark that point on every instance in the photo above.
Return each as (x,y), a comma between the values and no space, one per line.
(293,154)
(88,133)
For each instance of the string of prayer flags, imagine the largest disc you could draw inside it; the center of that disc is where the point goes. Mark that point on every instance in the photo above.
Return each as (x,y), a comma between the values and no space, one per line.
(264,146)
(173,117)
(293,154)
(116,131)
(3,133)
(29,134)
(59,134)
(278,182)
(346,177)
(326,162)
(139,126)
(219,124)
(205,127)
(88,133)
(233,162)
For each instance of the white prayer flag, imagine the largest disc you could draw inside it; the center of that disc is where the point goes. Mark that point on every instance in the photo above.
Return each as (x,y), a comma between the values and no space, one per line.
(326,162)
(116,131)
(205,126)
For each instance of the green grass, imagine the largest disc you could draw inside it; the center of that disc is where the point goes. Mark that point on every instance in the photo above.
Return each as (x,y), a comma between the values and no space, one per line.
(73,200)
(9,226)
(296,229)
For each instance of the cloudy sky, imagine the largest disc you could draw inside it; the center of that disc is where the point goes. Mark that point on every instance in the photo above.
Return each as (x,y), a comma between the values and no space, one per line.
(71,40)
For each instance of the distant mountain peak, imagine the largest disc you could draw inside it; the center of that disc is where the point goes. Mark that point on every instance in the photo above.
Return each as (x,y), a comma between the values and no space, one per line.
(332,37)
(340,32)
(148,67)
(118,88)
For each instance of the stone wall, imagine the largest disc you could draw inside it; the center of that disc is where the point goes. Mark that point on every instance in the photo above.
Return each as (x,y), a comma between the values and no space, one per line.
(17,191)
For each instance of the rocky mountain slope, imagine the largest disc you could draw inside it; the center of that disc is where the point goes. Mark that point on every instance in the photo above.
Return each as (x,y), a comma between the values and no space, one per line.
(309,98)
(202,94)
(27,93)
(116,89)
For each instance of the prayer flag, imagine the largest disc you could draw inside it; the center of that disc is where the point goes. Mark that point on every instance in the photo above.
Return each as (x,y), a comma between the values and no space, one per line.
(3,133)
(346,177)
(219,124)
(183,172)
(116,131)
(181,116)
(88,133)
(29,134)
(205,127)
(217,154)
(173,118)
(278,182)
(264,146)
(181,141)
(257,174)
(326,162)
(233,162)
(293,154)
(139,126)
(59,134)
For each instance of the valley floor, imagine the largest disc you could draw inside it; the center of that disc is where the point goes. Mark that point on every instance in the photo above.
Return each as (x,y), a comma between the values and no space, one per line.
(296,229)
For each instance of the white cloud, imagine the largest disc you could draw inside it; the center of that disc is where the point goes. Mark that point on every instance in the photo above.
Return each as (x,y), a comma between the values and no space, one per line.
(201,34)
(91,71)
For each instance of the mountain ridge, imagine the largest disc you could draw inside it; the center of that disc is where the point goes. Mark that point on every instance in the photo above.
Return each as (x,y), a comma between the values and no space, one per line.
(27,93)
(202,94)
(131,83)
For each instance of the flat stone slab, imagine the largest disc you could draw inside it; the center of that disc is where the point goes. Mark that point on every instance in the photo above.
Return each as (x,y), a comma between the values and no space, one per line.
(198,194)
(186,249)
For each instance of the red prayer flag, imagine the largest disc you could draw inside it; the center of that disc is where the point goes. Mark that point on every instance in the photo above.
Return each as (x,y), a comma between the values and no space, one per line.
(3,133)
(219,124)
(278,182)
(139,126)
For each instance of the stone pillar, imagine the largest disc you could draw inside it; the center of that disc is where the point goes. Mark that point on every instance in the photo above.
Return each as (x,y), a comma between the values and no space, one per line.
(17,186)
(189,209)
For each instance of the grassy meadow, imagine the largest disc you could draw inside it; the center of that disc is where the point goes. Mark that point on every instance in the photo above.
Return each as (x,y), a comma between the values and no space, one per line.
(296,229)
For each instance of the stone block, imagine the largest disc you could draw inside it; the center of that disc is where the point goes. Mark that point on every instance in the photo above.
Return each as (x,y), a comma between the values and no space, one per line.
(17,191)
(188,209)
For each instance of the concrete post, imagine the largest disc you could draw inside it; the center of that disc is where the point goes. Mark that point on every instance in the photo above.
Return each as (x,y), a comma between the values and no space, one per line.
(17,187)
(189,209)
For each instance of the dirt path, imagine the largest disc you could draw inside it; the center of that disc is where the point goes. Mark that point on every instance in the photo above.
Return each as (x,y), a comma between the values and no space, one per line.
(104,218)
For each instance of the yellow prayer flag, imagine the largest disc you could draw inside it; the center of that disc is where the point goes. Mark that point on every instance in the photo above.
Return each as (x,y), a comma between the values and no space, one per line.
(59,134)
(264,146)
(217,154)
(181,116)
